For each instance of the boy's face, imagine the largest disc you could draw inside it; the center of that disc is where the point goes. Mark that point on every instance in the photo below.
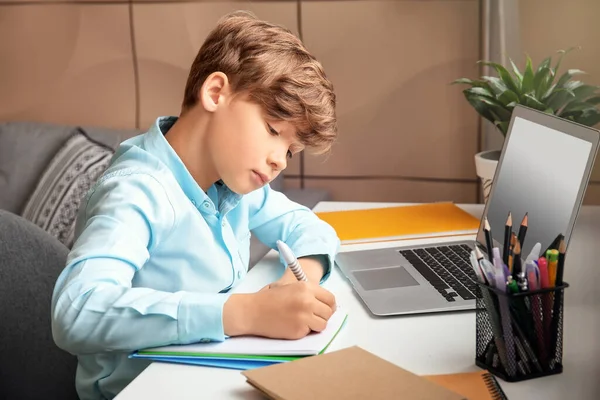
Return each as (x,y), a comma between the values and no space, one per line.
(248,150)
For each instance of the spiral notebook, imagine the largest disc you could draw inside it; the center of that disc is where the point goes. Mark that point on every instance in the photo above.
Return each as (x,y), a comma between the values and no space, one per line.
(480,385)
(354,373)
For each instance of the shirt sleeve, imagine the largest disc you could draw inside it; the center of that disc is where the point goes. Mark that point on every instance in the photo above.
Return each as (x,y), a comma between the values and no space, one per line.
(275,217)
(94,306)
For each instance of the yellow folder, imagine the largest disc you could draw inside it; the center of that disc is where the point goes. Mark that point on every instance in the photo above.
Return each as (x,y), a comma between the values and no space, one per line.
(401,222)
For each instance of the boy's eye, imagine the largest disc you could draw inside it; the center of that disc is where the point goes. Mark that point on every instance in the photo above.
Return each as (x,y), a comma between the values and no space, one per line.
(289,154)
(272,131)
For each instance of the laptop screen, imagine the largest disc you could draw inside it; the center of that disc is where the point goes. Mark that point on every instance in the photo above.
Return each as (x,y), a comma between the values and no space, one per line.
(541,173)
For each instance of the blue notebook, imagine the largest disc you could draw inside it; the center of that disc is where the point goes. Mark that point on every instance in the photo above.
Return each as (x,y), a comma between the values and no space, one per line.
(248,352)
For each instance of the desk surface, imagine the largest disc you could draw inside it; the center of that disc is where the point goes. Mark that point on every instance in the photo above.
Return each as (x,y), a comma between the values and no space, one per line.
(426,344)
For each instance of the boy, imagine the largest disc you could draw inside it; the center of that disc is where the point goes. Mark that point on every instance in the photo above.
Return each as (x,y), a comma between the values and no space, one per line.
(164,234)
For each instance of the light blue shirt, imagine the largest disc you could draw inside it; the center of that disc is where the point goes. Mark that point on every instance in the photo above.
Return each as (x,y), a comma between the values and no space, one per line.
(155,257)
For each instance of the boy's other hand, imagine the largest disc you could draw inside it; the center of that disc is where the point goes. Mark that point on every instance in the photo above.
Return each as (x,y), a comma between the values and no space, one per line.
(289,311)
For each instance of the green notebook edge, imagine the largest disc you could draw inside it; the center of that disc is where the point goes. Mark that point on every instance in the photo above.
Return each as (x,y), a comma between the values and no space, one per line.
(239,356)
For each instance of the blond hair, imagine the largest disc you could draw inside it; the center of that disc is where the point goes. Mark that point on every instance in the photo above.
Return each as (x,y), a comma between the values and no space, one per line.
(271,64)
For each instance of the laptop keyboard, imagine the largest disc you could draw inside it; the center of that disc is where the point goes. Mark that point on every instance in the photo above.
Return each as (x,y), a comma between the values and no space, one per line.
(447,268)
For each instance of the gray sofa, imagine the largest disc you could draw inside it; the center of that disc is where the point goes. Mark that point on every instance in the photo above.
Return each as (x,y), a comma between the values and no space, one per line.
(45,169)
(28,148)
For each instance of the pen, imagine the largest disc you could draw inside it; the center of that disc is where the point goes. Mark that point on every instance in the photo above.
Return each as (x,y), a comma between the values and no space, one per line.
(535,253)
(546,300)
(552,257)
(505,316)
(488,270)
(533,278)
(291,260)
(499,264)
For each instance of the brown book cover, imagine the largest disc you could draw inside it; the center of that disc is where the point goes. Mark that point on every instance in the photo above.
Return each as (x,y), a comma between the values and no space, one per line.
(349,374)
(480,385)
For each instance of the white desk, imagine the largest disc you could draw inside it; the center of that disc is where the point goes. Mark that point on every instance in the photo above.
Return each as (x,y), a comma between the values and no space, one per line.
(428,344)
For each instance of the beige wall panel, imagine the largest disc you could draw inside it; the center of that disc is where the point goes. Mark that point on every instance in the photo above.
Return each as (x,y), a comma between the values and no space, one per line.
(293,167)
(391,63)
(577,22)
(291,183)
(391,190)
(592,195)
(163,66)
(61,64)
(62,1)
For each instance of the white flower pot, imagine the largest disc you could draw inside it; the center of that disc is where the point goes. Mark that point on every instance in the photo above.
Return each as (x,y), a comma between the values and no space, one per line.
(485,167)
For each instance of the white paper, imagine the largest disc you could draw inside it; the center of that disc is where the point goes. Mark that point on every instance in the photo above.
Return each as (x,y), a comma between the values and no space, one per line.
(311,344)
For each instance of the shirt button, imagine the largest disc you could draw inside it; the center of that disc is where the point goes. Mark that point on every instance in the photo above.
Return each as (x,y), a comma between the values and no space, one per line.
(224,223)
(239,274)
(206,205)
(194,203)
(205,340)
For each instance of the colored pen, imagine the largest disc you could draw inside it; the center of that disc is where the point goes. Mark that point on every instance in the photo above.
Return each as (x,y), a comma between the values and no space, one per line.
(552,257)
(546,299)
(477,257)
(533,280)
(498,263)
(291,260)
(477,268)
(489,271)
(534,254)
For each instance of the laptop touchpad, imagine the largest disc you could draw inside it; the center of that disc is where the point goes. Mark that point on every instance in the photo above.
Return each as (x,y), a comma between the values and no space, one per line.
(384,278)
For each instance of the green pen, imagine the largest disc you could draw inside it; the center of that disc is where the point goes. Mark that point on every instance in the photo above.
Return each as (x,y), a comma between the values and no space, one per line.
(512,285)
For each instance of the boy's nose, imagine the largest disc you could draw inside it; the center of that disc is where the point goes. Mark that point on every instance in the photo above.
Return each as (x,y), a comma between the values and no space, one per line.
(278,161)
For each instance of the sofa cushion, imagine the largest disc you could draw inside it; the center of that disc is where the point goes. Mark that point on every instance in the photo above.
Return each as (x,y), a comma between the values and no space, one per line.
(54,202)
(27,147)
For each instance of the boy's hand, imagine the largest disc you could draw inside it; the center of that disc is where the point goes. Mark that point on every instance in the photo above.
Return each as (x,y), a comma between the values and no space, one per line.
(289,311)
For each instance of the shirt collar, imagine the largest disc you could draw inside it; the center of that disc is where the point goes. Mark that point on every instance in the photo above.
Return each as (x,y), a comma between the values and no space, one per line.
(155,142)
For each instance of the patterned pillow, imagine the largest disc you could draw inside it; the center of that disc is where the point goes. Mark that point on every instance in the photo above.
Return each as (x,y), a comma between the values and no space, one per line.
(54,203)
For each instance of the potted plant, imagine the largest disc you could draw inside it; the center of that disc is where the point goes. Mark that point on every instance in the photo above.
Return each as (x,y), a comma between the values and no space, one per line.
(542,88)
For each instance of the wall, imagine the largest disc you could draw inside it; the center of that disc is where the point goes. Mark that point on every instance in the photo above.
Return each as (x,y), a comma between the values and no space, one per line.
(550,25)
(405,133)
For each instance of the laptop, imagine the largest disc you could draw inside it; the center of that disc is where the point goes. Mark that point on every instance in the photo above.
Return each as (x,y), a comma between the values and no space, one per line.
(544,170)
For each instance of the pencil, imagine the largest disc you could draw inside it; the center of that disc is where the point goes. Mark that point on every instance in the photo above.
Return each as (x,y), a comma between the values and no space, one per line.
(517,265)
(513,240)
(555,243)
(523,229)
(562,249)
(507,235)
(488,238)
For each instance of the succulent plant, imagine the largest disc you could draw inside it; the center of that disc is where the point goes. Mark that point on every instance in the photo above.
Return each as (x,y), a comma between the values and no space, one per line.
(494,98)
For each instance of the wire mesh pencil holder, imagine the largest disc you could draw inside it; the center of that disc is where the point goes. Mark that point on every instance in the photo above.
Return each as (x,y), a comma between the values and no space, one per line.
(520,335)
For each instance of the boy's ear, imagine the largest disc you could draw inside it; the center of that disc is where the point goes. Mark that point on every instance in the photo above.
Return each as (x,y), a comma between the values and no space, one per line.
(213,91)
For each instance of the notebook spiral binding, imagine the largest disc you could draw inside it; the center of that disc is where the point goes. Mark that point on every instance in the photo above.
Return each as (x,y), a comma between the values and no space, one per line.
(493,387)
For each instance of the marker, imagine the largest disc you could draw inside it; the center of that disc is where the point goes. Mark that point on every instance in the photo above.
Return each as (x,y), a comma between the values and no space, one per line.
(552,257)
(291,260)
(535,253)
